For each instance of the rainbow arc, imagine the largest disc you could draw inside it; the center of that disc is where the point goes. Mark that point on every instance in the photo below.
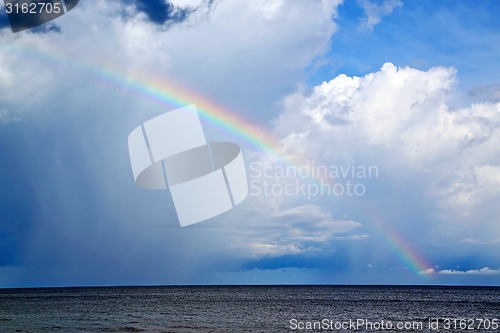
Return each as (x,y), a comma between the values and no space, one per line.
(172,96)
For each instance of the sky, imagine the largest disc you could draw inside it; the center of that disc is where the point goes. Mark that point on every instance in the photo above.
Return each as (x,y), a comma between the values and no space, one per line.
(370,132)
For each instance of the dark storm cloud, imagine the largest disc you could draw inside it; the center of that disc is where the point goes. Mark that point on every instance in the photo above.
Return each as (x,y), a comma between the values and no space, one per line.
(290,261)
(165,13)
(160,12)
(4,20)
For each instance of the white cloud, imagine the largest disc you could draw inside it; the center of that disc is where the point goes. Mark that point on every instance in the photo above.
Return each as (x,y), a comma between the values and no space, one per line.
(482,271)
(399,120)
(375,11)
(428,271)
(5,75)
(227,55)
(266,249)
(224,54)
(186,3)
(20,89)
(270,8)
(392,108)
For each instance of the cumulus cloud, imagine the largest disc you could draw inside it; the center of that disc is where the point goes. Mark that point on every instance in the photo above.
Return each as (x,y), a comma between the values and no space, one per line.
(443,160)
(437,177)
(375,11)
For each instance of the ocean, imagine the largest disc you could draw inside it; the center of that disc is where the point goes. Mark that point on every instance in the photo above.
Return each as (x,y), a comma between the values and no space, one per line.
(251,309)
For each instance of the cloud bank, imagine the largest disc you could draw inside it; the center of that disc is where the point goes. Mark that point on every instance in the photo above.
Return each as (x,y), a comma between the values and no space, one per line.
(399,120)
(439,175)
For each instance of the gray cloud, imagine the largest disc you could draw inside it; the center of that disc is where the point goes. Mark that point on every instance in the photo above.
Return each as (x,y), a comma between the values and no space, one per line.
(70,118)
(490,93)
(375,11)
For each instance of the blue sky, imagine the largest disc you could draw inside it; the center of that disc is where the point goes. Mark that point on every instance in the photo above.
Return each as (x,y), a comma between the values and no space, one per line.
(408,87)
(420,34)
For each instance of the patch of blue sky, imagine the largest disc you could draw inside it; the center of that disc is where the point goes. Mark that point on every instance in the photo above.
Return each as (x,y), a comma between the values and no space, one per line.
(421,34)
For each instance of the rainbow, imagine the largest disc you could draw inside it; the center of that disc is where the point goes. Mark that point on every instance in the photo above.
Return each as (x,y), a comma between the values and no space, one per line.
(165,93)
(176,96)
(173,96)
(406,253)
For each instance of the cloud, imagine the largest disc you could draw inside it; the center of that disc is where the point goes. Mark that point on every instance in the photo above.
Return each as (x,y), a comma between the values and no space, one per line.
(428,271)
(263,249)
(96,226)
(438,168)
(490,93)
(481,271)
(277,231)
(375,11)
(214,56)
(187,3)
(354,237)
(168,13)
(475,241)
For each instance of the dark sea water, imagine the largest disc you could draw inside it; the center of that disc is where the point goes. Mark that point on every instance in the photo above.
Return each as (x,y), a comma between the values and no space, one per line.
(250,309)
